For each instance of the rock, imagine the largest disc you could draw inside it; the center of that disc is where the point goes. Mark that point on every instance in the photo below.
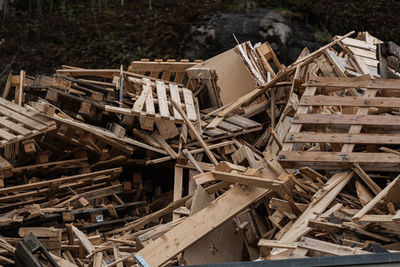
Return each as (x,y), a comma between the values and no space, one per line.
(256,25)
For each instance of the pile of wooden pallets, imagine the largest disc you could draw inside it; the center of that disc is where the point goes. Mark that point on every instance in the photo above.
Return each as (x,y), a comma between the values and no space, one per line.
(236,158)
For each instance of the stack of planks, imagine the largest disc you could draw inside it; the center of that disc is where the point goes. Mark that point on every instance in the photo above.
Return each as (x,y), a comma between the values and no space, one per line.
(163,164)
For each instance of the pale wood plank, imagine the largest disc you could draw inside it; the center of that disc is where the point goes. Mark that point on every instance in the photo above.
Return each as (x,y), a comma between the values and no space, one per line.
(162,99)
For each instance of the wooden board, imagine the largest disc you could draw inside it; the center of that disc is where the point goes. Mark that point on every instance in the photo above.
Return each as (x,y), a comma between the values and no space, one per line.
(18,123)
(204,221)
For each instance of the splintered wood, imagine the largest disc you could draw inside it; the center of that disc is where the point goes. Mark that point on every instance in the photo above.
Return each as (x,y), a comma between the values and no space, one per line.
(236,158)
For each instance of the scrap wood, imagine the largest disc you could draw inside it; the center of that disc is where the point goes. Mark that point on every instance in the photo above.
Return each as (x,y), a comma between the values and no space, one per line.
(220,210)
(78,159)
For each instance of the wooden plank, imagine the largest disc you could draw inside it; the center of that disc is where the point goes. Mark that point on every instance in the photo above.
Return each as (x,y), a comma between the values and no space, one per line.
(295,128)
(347,119)
(242,121)
(348,138)
(166,146)
(190,109)
(266,183)
(368,181)
(375,200)
(78,177)
(352,157)
(14,127)
(139,103)
(150,109)
(356,82)
(362,52)
(6,135)
(178,183)
(174,91)
(232,128)
(331,189)
(214,214)
(7,88)
(163,66)
(162,99)
(20,92)
(358,43)
(196,133)
(276,244)
(326,247)
(22,119)
(350,101)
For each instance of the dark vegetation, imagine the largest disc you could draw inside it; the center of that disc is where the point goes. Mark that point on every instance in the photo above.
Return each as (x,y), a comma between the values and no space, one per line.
(43,34)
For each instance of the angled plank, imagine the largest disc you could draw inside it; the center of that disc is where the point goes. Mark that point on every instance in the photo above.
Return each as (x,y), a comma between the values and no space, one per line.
(139,103)
(375,200)
(214,214)
(196,133)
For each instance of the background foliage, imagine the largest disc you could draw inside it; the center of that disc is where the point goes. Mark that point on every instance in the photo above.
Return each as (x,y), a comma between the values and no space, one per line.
(43,34)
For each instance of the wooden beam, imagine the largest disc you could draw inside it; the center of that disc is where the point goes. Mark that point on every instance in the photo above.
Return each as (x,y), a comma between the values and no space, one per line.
(214,214)
(196,133)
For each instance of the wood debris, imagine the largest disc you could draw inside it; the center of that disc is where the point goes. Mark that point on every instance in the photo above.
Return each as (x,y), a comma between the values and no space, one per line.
(236,158)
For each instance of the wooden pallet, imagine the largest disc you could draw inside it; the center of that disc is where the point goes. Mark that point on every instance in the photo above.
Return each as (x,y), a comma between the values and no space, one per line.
(327,128)
(18,123)
(153,101)
(231,126)
(170,70)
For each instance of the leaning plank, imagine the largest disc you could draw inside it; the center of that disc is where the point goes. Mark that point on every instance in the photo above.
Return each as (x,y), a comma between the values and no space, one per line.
(139,103)
(368,181)
(196,133)
(204,221)
(375,200)
(86,244)
(317,206)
